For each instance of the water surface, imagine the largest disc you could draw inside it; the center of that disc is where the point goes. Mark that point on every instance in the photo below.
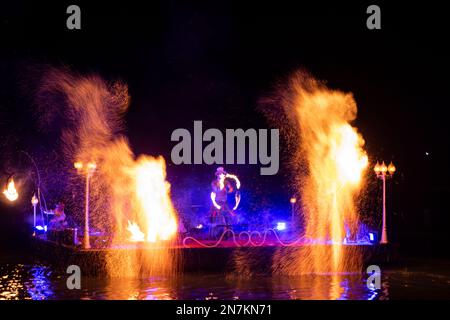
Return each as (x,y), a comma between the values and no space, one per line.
(40,281)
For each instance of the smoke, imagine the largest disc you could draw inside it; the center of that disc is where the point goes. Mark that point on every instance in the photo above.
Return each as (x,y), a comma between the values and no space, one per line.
(87,114)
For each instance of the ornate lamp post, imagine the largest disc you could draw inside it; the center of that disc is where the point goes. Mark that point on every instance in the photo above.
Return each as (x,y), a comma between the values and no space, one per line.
(87,170)
(383,172)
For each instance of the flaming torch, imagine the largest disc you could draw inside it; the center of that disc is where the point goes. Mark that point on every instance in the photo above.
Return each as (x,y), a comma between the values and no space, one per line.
(10,192)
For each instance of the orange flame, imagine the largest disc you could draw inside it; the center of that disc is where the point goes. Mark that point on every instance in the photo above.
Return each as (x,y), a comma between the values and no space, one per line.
(10,192)
(142,211)
(350,159)
(136,234)
(153,196)
(126,196)
(330,161)
(332,151)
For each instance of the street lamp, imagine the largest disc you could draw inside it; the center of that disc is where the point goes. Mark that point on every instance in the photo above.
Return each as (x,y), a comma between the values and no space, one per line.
(382,171)
(292,201)
(34,202)
(87,170)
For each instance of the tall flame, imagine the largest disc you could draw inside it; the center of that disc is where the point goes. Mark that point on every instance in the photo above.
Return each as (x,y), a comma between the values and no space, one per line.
(153,196)
(142,211)
(330,162)
(10,192)
(129,198)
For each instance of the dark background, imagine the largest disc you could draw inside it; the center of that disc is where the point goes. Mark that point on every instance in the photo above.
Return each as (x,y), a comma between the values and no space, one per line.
(214,60)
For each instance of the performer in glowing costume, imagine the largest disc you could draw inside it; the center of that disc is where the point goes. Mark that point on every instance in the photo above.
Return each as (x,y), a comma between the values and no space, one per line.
(221,212)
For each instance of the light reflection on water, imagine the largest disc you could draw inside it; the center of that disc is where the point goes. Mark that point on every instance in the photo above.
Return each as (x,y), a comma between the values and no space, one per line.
(39,286)
(39,282)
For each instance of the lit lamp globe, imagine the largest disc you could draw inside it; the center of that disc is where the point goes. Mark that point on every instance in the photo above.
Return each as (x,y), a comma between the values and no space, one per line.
(293,200)
(91,166)
(34,200)
(78,165)
(377,168)
(391,168)
(383,168)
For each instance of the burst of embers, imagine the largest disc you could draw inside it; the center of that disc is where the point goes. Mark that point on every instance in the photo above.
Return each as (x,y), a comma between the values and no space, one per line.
(329,164)
(130,198)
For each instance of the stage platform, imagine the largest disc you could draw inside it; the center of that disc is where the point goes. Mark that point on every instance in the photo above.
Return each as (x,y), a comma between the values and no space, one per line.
(227,256)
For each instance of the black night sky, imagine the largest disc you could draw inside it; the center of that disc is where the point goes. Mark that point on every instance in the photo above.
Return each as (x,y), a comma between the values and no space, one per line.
(215,60)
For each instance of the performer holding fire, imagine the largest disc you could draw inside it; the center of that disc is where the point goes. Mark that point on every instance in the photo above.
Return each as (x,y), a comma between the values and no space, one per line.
(221,186)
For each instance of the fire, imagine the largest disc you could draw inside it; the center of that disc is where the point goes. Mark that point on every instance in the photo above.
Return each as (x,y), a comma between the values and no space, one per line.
(136,234)
(350,159)
(330,162)
(333,152)
(129,198)
(153,195)
(10,192)
(142,211)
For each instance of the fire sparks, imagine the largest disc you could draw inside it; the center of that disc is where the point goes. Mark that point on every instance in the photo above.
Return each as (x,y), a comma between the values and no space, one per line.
(10,192)
(330,162)
(335,159)
(127,196)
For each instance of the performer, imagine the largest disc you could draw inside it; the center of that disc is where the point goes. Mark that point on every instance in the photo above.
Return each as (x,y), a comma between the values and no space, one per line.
(221,211)
(58,222)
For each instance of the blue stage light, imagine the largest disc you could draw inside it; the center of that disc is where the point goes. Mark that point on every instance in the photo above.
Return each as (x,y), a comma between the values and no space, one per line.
(281,226)
(200,226)
(372,237)
(41,228)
